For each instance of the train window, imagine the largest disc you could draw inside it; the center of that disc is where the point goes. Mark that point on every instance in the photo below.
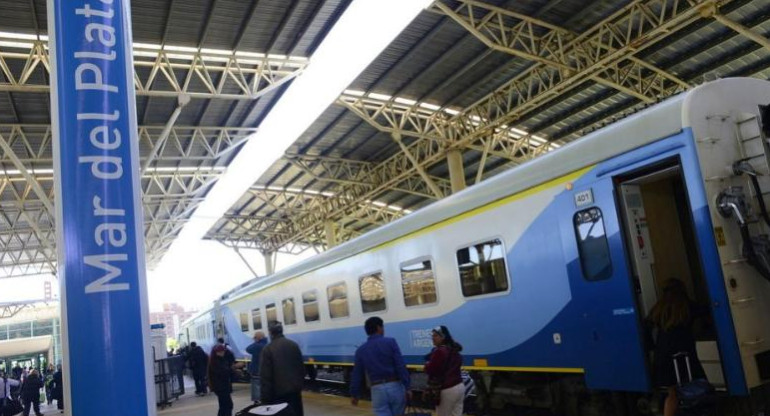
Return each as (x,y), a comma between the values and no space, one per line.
(482,268)
(372,290)
(310,306)
(289,313)
(244,322)
(338,300)
(592,245)
(272,314)
(418,283)
(256,318)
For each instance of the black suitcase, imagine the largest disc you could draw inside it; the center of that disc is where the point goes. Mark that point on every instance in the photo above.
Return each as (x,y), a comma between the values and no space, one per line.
(696,397)
(281,409)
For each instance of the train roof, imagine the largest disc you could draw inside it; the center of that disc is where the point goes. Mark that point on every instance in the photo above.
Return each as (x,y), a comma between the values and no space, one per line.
(651,124)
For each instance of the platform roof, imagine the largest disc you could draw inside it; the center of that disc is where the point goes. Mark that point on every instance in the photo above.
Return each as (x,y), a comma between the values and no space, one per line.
(500,82)
(233,58)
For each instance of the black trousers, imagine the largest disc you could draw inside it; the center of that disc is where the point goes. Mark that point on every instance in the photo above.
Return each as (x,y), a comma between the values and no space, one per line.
(200,382)
(180,380)
(60,403)
(295,402)
(30,403)
(225,404)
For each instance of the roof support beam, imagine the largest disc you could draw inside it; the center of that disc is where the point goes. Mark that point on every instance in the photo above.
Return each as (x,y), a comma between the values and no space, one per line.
(356,172)
(420,169)
(736,26)
(182,101)
(257,231)
(165,71)
(183,143)
(558,48)
(628,31)
(31,180)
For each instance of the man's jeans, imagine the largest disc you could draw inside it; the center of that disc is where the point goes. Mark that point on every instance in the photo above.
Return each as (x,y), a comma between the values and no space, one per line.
(389,399)
(255,391)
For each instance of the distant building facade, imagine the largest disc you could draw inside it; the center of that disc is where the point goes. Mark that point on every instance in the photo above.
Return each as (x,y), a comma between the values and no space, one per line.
(172,317)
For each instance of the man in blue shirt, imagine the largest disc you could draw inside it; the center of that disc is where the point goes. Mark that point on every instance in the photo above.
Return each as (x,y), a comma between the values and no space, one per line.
(255,349)
(381,359)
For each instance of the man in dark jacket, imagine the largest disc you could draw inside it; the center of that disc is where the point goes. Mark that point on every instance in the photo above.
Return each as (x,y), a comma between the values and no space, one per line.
(282,371)
(57,388)
(255,349)
(199,365)
(17,372)
(30,393)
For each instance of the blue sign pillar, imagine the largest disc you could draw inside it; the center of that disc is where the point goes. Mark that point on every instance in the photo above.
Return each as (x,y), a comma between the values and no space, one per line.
(99,226)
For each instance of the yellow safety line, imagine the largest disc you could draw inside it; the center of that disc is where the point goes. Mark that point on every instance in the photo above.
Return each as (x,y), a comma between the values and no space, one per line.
(480,368)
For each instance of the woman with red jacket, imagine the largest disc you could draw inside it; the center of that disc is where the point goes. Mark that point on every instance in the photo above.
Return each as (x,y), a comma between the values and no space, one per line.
(443,367)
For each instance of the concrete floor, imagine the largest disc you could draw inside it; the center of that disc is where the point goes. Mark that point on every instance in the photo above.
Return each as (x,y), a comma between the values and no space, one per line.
(315,404)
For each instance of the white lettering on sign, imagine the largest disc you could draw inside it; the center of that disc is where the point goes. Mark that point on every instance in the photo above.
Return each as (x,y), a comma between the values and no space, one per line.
(106,140)
(421,338)
(584,198)
(103,284)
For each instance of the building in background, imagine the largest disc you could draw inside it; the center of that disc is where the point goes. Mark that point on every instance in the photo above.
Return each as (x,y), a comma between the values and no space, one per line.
(172,317)
(31,335)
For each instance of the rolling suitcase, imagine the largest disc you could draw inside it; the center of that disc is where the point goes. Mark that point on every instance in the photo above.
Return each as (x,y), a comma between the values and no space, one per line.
(696,397)
(281,409)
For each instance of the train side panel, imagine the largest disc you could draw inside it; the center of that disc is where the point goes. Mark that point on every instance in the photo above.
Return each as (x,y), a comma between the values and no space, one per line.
(549,317)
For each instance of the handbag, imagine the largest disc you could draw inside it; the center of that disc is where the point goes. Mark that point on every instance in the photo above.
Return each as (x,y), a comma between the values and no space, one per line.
(431,395)
(12,407)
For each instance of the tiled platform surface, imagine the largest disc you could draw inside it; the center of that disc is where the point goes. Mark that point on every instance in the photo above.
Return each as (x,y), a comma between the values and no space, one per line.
(315,404)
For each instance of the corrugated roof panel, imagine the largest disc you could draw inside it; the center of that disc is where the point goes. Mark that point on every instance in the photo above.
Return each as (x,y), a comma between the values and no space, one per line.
(310,37)
(260,30)
(226,20)
(185,22)
(17,16)
(148,20)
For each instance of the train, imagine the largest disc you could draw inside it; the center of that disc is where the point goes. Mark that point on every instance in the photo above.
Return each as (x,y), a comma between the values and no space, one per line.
(545,273)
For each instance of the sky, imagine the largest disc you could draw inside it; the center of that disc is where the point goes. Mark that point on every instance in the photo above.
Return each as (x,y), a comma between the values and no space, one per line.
(196,272)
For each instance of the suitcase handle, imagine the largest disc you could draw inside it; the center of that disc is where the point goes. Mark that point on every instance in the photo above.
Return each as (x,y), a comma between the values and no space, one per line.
(676,358)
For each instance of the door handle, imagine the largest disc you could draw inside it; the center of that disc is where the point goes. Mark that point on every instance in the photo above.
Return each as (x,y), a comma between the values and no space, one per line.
(740,301)
(753,343)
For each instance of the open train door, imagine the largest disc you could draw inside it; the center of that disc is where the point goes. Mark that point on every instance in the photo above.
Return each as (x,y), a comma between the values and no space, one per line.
(604,302)
(662,244)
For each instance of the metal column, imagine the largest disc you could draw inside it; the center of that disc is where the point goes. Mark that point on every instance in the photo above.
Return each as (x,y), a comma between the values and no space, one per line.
(269,262)
(456,171)
(331,234)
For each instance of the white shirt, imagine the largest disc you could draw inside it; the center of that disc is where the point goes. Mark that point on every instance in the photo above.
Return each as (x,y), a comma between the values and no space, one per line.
(5,389)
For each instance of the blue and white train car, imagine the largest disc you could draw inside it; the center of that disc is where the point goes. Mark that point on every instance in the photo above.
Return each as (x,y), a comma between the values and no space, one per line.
(551,267)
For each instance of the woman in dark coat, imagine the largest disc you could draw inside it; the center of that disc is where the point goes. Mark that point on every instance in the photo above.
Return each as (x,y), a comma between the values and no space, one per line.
(30,393)
(57,388)
(673,317)
(220,376)
(443,367)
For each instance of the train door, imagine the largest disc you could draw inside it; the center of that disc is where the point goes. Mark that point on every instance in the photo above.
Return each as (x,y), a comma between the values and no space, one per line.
(604,307)
(661,245)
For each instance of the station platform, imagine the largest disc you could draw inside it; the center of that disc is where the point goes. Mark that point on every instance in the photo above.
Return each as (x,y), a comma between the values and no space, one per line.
(316,404)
